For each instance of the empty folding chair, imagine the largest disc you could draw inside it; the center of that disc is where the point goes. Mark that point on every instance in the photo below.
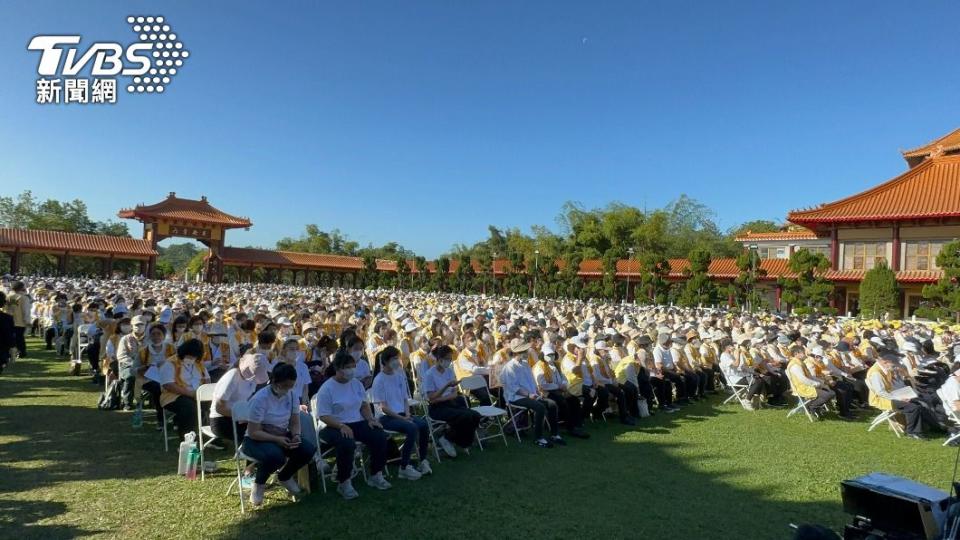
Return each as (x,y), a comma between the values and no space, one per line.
(204,394)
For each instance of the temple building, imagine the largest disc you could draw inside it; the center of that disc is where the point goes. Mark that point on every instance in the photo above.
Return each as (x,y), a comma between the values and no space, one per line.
(904,221)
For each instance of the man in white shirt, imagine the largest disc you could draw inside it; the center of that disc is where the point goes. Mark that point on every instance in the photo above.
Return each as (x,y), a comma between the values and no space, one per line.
(520,390)
(737,373)
(664,362)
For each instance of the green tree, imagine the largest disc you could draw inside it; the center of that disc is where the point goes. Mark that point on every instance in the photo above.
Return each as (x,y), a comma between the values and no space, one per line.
(878,292)
(423,271)
(698,288)
(943,297)
(653,280)
(403,272)
(744,286)
(808,290)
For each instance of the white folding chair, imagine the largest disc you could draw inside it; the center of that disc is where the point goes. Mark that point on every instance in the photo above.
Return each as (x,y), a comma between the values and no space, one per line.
(802,404)
(165,420)
(204,393)
(952,417)
(888,417)
(738,392)
(84,338)
(493,415)
(239,412)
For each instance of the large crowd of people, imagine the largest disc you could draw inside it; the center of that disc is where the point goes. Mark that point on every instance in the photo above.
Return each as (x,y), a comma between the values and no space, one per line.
(319,370)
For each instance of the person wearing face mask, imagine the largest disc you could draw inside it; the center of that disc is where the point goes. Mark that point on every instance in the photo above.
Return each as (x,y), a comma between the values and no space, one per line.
(363,373)
(391,394)
(217,355)
(553,384)
(153,354)
(447,405)
(128,357)
(468,364)
(180,377)
(273,435)
(342,406)
(111,333)
(178,330)
(237,386)
(421,360)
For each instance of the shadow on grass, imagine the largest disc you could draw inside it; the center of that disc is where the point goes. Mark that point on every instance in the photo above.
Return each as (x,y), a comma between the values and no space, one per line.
(623,482)
(19,519)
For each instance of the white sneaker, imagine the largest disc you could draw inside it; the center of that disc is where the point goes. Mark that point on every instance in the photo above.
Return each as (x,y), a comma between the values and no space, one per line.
(447,447)
(256,494)
(322,465)
(291,485)
(409,473)
(425,468)
(345,489)
(749,406)
(378,481)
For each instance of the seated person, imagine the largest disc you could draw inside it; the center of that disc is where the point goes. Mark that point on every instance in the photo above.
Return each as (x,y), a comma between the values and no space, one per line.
(736,372)
(237,385)
(342,406)
(391,395)
(447,405)
(273,434)
(180,377)
(520,390)
(806,385)
(552,383)
(882,382)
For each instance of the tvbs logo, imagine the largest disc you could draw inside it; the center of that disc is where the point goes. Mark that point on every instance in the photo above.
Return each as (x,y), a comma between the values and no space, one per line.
(151,63)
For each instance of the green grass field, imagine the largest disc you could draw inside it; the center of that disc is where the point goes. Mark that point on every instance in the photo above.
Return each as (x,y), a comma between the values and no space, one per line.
(711,471)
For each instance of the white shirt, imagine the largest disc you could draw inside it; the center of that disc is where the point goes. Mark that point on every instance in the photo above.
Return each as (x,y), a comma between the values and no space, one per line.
(341,400)
(363,369)
(466,363)
(190,374)
(391,389)
(233,389)
(517,376)
(434,380)
(731,372)
(663,359)
(267,409)
(950,392)
(798,374)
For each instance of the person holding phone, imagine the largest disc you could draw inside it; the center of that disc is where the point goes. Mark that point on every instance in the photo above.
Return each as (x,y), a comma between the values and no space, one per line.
(447,405)
(273,434)
(342,405)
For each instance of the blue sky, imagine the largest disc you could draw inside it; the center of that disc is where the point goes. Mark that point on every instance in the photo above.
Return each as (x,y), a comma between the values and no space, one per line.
(423,122)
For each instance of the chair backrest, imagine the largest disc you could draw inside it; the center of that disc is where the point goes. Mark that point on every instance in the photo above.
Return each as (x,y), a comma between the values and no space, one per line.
(205,392)
(85,333)
(473,382)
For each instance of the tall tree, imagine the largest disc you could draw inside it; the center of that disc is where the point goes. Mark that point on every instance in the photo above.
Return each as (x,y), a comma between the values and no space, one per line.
(809,290)
(943,297)
(879,294)
(698,289)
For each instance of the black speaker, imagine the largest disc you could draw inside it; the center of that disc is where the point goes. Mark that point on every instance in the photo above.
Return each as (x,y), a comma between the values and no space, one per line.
(893,506)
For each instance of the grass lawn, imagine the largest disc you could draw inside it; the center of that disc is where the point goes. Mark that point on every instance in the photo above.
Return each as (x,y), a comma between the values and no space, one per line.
(710,471)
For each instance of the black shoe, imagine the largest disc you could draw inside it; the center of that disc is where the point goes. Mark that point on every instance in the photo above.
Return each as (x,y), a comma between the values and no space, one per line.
(628,421)
(579,433)
(558,440)
(847,417)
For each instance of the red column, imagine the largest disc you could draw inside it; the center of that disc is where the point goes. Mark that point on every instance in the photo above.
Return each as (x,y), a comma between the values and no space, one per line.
(834,249)
(779,292)
(730,299)
(895,263)
(15,262)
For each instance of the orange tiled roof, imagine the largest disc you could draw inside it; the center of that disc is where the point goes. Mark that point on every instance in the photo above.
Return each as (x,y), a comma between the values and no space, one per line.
(929,190)
(950,141)
(802,234)
(270,258)
(919,276)
(176,209)
(75,243)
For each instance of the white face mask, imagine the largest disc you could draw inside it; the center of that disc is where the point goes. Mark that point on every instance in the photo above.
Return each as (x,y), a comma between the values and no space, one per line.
(290,355)
(356,355)
(197,328)
(348,373)
(125,329)
(394,365)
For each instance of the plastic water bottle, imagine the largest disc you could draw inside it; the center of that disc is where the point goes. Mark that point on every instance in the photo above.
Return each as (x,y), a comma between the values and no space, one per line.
(192,460)
(184,452)
(137,420)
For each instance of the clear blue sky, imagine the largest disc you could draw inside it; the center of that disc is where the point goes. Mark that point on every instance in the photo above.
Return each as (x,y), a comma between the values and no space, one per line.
(423,122)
